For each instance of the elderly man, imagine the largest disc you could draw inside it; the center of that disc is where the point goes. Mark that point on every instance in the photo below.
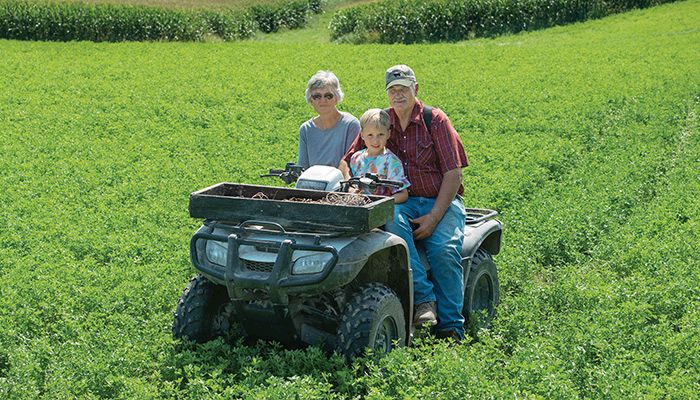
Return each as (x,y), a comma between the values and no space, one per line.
(432,155)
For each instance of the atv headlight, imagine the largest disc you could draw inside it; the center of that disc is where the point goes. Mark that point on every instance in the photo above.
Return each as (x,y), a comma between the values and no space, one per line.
(217,252)
(311,263)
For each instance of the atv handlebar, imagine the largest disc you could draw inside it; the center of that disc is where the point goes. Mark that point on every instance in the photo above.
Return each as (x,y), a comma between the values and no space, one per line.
(292,172)
(289,174)
(369,181)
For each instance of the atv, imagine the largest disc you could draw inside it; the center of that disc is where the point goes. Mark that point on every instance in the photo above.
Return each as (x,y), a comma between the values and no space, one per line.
(312,272)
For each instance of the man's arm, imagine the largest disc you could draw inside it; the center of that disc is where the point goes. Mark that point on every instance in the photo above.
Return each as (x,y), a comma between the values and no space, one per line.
(448,190)
(357,145)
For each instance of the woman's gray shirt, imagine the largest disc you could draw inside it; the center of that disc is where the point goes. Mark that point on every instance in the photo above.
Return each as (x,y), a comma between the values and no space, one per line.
(326,146)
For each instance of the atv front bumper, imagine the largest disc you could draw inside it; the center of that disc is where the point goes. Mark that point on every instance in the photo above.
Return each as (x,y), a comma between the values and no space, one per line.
(273,281)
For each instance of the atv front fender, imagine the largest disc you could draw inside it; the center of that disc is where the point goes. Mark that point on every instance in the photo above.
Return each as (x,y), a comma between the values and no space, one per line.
(380,256)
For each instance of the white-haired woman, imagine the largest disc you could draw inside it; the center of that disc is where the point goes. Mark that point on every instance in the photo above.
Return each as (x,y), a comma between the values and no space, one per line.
(324,139)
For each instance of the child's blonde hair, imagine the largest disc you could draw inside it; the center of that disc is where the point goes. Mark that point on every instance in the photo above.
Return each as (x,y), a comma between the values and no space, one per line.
(377,117)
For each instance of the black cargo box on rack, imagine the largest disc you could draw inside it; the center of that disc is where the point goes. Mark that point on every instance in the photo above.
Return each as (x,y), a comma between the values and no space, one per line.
(236,203)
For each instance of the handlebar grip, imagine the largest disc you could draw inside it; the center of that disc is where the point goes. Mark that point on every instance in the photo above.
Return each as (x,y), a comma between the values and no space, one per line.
(274,173)
(360,183)
(387,182)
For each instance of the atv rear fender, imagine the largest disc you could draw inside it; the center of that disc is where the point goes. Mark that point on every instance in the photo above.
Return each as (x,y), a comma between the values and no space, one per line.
(486,235)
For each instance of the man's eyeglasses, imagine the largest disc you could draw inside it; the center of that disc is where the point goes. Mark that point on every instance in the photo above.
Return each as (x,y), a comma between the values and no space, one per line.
(317,96)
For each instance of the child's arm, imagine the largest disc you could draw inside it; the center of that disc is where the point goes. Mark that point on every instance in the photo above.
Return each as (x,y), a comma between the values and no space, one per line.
(395,173)
(400,197)
(345,169)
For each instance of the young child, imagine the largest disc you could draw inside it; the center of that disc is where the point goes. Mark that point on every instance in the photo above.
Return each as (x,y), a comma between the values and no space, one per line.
(376,158)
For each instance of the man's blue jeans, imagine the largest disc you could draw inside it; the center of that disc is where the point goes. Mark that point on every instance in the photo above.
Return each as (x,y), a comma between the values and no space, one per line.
(443,248)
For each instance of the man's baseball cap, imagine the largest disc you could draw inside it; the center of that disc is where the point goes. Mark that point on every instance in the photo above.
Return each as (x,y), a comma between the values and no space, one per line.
(400,75)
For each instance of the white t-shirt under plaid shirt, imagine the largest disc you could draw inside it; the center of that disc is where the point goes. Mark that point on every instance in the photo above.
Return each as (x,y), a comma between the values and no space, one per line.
(385,166)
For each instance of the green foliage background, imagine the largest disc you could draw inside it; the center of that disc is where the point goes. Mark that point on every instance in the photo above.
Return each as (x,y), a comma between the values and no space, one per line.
(585,138)
(68,21)
(420,21)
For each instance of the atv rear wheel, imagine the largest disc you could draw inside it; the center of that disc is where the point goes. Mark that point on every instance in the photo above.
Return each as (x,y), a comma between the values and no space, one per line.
(203,312)
(373,318)
(481,293)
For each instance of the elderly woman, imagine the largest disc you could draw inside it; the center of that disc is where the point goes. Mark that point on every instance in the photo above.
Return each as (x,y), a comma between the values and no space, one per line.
(324,139)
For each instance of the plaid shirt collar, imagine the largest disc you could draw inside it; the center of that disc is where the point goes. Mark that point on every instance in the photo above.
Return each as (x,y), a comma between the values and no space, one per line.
(415,115)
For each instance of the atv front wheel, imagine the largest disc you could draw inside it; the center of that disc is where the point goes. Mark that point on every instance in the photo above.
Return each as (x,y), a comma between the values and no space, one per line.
(203,312)
(373,318)
(481,293)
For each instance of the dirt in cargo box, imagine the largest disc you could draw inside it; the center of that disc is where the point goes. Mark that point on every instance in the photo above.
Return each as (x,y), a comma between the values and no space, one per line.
(339,199)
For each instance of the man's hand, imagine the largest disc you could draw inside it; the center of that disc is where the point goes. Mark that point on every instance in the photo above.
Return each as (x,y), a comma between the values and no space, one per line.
(448,190)
(426,226)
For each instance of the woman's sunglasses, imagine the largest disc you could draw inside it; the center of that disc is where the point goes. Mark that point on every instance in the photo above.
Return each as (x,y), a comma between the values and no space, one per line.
(317,96)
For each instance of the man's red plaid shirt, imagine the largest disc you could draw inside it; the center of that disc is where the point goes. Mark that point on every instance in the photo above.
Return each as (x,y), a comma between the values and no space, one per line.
(426,156)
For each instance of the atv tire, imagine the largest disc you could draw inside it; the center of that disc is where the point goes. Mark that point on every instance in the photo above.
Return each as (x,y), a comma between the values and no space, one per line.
(481,293)
(373,318)
(203,312)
